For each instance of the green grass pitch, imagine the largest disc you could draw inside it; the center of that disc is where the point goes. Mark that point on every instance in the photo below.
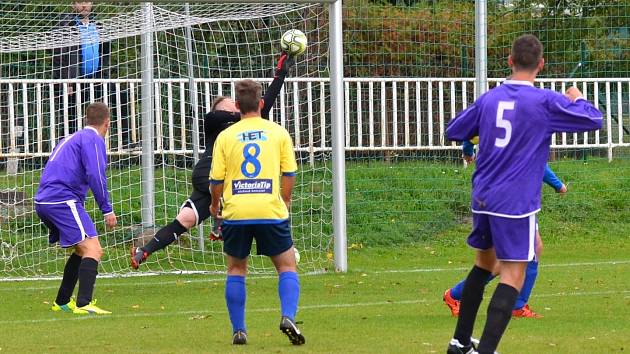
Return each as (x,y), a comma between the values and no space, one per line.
(390,303)
(408,221)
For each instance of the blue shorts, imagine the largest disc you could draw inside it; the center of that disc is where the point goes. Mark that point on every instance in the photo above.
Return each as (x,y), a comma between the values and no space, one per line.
(68,222)
(271,239)
(513,239)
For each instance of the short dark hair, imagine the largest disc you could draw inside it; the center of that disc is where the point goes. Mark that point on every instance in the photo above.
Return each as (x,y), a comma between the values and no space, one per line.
(248,95)
(217,101)
(526,52)
(96,113)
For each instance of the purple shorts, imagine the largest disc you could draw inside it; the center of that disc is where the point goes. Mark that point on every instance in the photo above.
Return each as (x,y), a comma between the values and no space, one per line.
(512,238)
(68,222)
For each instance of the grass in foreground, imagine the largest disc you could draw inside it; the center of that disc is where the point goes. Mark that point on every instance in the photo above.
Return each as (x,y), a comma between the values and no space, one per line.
(390,302)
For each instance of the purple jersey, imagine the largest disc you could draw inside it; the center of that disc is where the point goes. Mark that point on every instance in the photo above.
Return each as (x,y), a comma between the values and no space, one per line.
(514,123)
(77,163)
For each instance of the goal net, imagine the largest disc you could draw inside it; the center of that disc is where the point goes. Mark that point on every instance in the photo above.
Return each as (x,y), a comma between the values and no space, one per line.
(47,76)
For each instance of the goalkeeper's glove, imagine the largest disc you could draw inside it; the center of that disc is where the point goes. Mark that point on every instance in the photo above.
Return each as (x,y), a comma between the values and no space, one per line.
(216,234)
(284,64)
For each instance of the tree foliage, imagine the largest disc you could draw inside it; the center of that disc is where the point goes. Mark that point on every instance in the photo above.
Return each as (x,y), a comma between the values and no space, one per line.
(437,38)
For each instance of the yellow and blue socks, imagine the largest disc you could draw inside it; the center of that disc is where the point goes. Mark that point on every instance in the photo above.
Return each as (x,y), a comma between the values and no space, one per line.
(69,280)
(289,293)
(235,296)
(531,273)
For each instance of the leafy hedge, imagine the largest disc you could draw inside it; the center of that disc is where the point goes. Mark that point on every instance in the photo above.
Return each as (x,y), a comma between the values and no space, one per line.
(382,38)
(436,38)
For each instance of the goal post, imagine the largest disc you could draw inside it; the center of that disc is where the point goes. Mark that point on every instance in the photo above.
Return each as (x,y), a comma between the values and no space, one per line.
(147,119)
(168,60)
(338,137)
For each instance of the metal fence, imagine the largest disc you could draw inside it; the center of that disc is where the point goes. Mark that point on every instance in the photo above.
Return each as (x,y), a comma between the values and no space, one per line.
(380,113)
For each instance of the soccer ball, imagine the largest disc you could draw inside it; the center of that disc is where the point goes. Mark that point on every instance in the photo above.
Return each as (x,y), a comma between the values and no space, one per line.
(293,42)
(297,255)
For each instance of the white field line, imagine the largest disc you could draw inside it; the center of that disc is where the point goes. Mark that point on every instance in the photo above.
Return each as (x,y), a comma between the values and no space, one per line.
(142,275)
(261,277)
(542,265)
(142,283)
(68,317)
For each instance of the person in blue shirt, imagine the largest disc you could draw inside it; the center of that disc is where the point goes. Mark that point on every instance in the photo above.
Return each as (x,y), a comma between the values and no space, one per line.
(452,296)
(88,59)
(77,163)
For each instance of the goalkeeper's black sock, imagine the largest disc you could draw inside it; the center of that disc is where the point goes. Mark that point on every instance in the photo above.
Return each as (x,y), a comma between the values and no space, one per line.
(87,277)
(471,299)
(69,280)
(499,315)
(164,237)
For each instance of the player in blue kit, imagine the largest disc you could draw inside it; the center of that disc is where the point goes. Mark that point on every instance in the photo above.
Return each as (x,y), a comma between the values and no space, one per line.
(453,295)
(514,123)
(77,163)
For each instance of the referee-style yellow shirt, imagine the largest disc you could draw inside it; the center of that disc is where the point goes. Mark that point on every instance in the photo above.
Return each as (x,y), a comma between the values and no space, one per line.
(248,158)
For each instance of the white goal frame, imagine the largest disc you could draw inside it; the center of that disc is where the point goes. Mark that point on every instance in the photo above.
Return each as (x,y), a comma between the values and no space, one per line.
(337,122)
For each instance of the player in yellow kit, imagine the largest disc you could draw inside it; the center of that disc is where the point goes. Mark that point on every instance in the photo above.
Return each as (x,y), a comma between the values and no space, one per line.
(253,170)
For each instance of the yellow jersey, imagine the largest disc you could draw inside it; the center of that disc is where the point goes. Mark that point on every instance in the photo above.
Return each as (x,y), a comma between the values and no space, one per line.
(248,159)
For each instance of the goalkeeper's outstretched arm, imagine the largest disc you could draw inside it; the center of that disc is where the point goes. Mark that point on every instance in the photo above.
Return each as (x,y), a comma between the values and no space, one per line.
(282,69)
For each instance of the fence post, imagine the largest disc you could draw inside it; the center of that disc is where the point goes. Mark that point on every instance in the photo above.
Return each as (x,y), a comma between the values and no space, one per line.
(148,197)
(609,119)
(338,144)
(481,46)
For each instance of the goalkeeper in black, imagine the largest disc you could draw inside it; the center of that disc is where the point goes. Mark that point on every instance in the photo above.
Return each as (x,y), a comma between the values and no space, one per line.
(196,208)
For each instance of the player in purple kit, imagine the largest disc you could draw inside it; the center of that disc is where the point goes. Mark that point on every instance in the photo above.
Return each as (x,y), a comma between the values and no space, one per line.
(514,123)
(77,163)
(453,295)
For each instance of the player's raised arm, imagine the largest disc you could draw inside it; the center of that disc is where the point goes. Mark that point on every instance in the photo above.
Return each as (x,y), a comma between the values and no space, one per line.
(285,62)
(222,117)
(465,125)
(571,113)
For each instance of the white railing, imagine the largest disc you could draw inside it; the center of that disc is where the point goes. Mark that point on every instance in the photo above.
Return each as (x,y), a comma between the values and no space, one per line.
(381,113)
